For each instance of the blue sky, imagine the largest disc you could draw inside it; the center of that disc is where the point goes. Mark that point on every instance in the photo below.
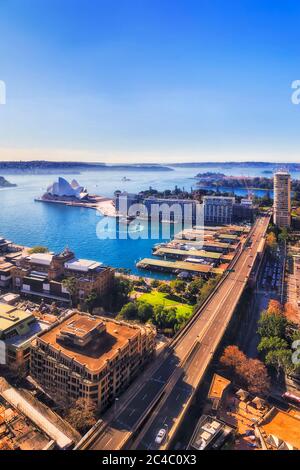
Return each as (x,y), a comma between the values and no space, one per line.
(149,80)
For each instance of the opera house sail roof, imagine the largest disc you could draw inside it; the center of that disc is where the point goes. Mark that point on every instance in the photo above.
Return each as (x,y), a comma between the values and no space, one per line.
(62,188)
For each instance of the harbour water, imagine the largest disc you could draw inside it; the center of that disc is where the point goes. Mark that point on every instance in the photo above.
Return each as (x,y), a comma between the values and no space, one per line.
(32,223)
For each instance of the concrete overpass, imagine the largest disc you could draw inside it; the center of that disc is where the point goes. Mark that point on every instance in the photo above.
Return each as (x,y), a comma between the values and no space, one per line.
(163,394)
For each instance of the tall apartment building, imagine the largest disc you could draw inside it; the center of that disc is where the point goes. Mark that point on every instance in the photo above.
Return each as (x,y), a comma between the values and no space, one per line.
(282,199)
(90,357)
(218,209)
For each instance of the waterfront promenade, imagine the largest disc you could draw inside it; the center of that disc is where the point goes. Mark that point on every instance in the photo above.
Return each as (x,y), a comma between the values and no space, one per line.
(103,204)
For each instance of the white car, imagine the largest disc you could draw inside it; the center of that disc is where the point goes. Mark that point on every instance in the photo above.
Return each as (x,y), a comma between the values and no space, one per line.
(160,436)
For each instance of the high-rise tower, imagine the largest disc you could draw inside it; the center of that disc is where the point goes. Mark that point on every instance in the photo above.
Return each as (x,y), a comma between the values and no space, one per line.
(282,198)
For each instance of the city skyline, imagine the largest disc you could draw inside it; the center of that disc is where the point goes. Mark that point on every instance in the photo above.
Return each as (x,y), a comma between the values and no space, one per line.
(149,83)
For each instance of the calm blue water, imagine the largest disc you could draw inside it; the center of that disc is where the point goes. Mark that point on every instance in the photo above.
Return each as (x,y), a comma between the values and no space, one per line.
(32,223)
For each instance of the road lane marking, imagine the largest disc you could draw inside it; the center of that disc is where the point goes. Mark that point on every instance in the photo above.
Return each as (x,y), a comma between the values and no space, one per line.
(108,442)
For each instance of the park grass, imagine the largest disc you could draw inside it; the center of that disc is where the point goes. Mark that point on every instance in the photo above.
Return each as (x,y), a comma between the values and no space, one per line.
(159,298)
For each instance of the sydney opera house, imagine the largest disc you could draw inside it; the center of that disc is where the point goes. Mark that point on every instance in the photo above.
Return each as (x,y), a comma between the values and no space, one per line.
(62,189)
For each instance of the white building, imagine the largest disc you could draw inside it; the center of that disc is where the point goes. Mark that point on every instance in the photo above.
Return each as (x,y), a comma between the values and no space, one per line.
(62,188)
(218,209)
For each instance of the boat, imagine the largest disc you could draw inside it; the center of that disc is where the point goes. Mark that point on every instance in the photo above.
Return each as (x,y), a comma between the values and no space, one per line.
(126,220)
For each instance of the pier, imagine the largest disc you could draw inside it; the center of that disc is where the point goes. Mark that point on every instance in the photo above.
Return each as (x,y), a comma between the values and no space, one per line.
(211,256)
(176,267)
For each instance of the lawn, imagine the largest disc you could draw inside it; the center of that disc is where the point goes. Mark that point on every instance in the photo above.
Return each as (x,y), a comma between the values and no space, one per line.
(159,298)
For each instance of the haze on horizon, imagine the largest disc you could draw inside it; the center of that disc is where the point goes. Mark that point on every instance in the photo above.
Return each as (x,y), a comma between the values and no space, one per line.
(139,81)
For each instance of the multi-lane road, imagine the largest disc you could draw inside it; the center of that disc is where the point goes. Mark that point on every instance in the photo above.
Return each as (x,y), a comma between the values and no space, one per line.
(162,397)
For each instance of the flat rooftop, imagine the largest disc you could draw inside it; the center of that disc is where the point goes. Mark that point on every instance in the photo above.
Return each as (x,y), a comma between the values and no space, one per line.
(11,316)
(176,265)
(95,354)
(24,337)
(5,266)
(82,265)
(198,253)
(207,429)
(82,326)
(13,256)
(217,387)
(282,425)
(227,236)
(206,244)
(41,258)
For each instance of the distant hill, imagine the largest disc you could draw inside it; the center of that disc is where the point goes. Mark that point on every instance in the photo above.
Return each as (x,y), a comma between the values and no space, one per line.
(43,166)
(6,184)
(218,180)
(228,165)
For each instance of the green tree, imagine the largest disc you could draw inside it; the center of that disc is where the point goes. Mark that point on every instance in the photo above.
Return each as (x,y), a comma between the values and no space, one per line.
(70,284)
(144,312)
(119,294)
(129,311)
(140,281)
(159,316)
(155,283)
(193,290)
(271,325)
(207,288)
(91,300)
(280,359)
(284,234)
(38,249)
(271,343)
(165,318)
(165,288)
(171,318)
(178,286)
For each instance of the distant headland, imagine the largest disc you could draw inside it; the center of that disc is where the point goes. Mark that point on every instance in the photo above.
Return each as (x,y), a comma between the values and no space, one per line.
(6,184)
(44,166)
